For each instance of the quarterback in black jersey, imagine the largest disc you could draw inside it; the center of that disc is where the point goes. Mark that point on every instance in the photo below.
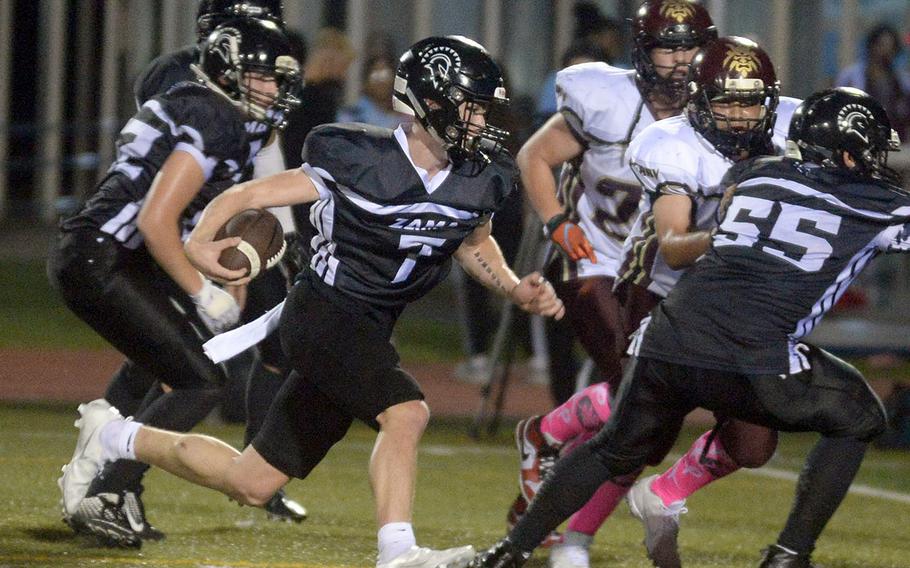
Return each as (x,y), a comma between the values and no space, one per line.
(796,232)
(119,262)
(391,208)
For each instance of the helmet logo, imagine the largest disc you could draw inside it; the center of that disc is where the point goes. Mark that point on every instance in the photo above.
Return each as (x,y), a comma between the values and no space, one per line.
(854,119)
(440,60)
(679,10)
(742,59)
(226,45)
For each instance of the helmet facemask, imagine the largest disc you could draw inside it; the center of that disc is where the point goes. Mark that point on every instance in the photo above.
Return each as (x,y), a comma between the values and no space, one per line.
(234,74)
(736,137)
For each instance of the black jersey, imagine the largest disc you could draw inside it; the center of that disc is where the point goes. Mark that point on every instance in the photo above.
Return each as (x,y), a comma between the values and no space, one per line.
(792,240)
(164,72)
(191,118)
(385,234)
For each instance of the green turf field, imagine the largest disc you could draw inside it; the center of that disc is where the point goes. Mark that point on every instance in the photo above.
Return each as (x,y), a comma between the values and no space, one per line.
(463,493)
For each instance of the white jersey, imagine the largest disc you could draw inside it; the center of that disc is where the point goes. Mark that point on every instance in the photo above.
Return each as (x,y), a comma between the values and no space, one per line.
(605,111)
(671,157)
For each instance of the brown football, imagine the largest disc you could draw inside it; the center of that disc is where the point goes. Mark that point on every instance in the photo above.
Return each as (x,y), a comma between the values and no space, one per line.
(262,244)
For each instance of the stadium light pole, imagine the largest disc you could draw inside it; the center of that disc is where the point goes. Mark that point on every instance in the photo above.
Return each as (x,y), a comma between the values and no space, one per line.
(357,32)
(107,110)
(52,77)
(849,33)
(562,32)
(492,27)
(780,42)
(6,45)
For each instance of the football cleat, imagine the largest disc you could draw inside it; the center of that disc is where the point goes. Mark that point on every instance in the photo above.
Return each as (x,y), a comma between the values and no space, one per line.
(103,516)
(503,554)
(135,515)
(88,457)
(518,508)
(572,552)
(776,556)
(537,456)
(419,557)
(282,508)
(565,555)
(661,523)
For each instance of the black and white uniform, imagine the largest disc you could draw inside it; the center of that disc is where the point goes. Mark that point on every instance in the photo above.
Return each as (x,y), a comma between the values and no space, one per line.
(726,337)
(101,266)
(385,236)
(164,72)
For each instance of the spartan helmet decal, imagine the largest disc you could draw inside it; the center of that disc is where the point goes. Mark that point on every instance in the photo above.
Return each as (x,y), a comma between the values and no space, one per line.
(440,61)
(225,45)
(742,59)
(678,10)
(855,119)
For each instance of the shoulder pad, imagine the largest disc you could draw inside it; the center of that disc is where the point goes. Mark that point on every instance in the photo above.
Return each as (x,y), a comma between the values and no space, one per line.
(598,100)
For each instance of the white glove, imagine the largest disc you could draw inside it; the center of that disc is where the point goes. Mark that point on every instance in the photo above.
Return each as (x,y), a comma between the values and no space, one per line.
(218,309)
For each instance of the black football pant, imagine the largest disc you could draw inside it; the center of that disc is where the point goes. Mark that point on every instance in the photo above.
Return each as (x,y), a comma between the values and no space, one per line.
(832,399)
(127,299)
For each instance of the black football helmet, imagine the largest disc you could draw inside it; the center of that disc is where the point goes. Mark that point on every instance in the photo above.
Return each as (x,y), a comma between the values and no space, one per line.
(439,74)
(239,48)
(669,24)
(835,121)
(733,70)
(213,13)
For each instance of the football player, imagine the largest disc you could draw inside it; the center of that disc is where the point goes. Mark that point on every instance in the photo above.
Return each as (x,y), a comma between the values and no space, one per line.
(796,232)
(392,208)
(119,262)
(680,163)
(602,108)
(268,369)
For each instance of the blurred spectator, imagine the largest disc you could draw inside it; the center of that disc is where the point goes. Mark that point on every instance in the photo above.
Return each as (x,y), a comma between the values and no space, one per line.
(597,38)
(323,73)
(592,25)
(879,76)
(375,103)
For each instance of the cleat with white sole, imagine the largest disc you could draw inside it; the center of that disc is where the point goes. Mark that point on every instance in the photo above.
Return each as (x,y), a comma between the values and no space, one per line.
(419,557)
(661,523)
(88,458)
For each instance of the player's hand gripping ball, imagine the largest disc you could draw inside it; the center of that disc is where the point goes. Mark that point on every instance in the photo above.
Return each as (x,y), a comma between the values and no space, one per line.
(262,242)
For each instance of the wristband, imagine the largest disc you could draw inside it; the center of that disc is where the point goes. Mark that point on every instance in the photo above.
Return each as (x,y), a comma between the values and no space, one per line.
(555,221)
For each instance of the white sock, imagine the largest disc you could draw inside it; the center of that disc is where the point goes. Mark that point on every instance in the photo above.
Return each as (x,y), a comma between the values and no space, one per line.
(118,440)
(394,540)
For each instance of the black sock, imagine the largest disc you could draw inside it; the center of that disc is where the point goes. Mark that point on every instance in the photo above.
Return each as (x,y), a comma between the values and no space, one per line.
(830,468)
(178,410)
(574,480)
(128,388)
(262,386)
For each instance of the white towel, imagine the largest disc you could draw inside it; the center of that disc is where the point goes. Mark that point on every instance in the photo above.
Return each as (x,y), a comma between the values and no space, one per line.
(230,343)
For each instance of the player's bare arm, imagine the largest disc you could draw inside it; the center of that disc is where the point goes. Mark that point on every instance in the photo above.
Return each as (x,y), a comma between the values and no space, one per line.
(174,187)
(548,148)
(553,144)
(286,188)
(481,257)
(673,221)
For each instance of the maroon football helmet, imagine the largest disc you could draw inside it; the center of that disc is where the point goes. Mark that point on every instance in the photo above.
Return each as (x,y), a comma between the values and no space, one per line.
(669,24)
(733,70)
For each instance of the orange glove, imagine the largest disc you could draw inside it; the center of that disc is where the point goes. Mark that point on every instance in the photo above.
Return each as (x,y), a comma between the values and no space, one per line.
(570,238)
